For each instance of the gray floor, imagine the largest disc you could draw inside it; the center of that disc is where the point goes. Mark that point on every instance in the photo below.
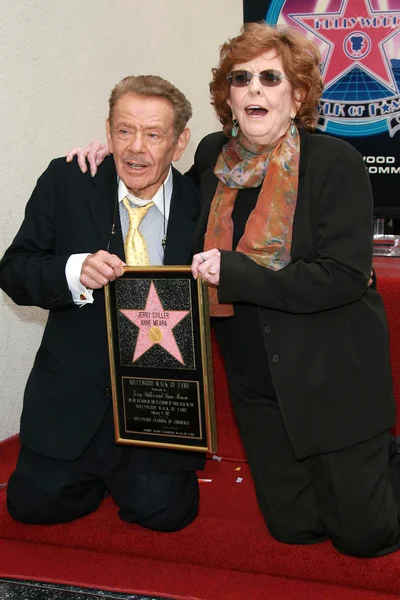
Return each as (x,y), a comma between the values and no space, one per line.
(11,589)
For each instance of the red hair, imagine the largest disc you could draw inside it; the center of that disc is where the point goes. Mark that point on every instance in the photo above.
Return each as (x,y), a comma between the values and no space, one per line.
(300,59)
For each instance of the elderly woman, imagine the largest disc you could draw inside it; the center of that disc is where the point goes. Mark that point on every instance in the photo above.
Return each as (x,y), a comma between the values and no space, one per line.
(287,229)
(285,235)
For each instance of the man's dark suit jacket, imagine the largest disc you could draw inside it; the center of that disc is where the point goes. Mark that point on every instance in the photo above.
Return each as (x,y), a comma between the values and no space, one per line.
(68,390)
(325,332)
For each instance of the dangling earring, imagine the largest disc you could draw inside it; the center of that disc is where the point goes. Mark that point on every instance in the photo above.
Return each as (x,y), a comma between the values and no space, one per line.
(235,128)
(292,126)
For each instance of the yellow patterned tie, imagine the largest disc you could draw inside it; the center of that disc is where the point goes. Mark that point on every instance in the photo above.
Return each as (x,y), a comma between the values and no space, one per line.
(136,252)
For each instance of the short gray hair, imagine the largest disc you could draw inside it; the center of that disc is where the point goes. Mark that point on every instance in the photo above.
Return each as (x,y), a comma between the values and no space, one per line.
(152,86)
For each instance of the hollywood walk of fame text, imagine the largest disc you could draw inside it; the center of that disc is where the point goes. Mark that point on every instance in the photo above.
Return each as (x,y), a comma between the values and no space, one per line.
(162,406)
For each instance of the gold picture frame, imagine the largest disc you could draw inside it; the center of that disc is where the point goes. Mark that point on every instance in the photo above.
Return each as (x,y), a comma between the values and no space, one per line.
(160,359)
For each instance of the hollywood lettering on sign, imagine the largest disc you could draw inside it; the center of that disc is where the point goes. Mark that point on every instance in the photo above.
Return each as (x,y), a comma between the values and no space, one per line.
(359,41)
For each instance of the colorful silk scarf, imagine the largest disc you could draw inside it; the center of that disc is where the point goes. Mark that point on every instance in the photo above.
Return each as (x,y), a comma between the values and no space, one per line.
(267,237)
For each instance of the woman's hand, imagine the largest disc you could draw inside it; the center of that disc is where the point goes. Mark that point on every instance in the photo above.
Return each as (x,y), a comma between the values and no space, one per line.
(94,153)
(371,279)
(208,266)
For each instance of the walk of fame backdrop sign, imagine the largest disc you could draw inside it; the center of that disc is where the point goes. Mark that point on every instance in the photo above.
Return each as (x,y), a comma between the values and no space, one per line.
(160,359)
(359,41)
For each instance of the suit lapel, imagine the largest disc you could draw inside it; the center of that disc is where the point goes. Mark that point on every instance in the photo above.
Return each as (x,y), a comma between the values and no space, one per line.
(181,222)
(208,186)
(304,243)
(103,207)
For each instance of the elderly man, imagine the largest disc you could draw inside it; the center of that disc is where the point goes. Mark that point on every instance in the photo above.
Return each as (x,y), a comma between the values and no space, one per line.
(69,246)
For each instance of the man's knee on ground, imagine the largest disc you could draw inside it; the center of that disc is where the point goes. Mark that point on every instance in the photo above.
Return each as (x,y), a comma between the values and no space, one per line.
(168,519)
(29,510)
(35,505)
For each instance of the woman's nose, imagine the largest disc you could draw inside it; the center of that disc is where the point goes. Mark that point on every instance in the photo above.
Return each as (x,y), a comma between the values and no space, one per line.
(255,85)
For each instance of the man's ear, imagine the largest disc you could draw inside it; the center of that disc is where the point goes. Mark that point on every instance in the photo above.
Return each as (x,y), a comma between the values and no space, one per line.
(108,133)
(181,144)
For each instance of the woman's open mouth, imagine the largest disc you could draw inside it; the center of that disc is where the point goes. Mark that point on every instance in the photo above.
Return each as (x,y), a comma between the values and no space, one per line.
(254,110)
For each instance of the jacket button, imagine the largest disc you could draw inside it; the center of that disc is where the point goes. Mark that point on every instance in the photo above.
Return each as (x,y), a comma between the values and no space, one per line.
(107,391)
(267,329)
(275,358)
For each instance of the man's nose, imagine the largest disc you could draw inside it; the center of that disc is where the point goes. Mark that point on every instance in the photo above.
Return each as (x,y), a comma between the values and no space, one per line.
(136,143)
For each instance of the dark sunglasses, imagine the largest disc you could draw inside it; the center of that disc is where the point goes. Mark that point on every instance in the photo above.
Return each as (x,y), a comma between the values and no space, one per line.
(268,78)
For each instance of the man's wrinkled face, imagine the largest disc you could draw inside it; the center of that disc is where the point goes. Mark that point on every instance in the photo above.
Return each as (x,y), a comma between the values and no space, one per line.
(141,137)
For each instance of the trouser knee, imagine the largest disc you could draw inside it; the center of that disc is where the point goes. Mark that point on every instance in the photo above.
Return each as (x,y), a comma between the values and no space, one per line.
(25,509)
(35,505)
(169,512)
(167,520)
(367,545)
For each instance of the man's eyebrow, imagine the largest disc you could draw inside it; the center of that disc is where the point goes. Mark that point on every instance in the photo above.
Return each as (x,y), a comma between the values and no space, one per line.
(157,124)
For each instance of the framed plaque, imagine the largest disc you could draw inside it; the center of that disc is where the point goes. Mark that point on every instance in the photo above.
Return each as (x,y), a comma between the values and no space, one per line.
(160,359)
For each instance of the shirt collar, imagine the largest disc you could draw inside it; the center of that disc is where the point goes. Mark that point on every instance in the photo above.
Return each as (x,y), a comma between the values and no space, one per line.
(157,198)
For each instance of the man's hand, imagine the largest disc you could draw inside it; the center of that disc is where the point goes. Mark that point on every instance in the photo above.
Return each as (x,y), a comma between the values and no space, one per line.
(94,153)
(99,269)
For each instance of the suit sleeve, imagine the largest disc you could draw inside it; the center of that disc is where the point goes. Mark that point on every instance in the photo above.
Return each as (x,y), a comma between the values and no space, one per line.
(343,238)
(31,272)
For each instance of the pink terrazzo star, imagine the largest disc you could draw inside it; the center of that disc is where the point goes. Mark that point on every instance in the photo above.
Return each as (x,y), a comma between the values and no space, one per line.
(155,326)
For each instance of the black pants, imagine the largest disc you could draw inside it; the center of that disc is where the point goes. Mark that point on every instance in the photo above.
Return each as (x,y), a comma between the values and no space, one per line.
(350,496)
(45,491)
